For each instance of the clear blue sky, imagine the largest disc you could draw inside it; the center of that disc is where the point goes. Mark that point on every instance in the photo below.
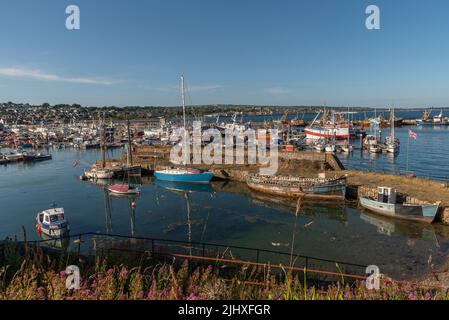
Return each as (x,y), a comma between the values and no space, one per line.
(297,52)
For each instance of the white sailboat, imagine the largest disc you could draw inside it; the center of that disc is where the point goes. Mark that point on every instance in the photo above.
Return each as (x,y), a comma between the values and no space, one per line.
(391,142)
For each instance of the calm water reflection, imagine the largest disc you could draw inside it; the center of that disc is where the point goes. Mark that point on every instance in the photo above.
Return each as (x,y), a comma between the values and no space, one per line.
(225,213)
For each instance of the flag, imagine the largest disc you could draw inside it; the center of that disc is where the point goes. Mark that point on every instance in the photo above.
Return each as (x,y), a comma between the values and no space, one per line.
(412,134)
(75,164)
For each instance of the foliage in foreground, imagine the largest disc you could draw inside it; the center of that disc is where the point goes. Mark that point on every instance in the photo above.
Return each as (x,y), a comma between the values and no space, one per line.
(26,276)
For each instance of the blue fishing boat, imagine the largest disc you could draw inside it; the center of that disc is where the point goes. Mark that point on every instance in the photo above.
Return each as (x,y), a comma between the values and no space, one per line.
(389,204)
(423,123)
(437,120)
(190,175)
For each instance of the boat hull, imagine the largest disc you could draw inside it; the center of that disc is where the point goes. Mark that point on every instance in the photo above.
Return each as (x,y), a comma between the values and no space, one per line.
(203,177)
(431,124)
(54,233)
(335,191)
(124,189)
(329,133)
(421,213)
(42,157)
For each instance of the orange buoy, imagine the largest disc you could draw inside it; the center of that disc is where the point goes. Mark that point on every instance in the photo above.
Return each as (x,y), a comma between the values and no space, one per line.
(38,228)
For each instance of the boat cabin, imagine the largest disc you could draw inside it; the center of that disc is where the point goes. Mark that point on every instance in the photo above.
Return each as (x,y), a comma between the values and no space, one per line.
(52,217)
(386,195)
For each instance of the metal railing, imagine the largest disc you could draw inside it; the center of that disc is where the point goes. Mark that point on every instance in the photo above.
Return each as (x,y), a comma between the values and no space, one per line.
(213,252)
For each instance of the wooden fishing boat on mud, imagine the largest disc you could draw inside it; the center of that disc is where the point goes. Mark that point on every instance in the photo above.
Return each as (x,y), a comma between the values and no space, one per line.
(389,204)
(295,187)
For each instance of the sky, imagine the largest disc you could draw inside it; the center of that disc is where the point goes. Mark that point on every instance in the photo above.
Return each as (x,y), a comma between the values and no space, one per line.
(298,52)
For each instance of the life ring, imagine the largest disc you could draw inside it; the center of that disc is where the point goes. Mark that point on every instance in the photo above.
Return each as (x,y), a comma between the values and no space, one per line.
(38,228)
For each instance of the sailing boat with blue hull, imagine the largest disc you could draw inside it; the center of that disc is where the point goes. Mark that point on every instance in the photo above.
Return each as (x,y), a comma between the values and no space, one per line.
(191,175)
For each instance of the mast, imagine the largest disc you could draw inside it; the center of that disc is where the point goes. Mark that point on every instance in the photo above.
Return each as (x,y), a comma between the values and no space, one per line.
(314,120)
(184,117)
(189,223)
(130,155)
(103,147)
(348,124)
(392,125)
(183,102)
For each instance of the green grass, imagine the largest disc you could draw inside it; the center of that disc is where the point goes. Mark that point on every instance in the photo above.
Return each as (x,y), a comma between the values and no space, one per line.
(33,274)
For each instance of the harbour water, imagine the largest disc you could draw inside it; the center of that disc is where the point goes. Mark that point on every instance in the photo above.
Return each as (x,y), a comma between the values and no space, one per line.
(340,232)
(427,155)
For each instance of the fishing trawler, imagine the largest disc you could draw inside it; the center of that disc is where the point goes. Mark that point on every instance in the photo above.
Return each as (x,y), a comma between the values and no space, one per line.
(192,175)
(437,120)
(337,132)
(330,129)
(293,187)
(388,203)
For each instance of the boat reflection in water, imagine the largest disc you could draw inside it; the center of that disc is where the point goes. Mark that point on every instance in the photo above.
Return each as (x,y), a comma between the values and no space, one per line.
(185,189)
(56,243)
(331,211)
(409,229)
(131,198)
(184,186)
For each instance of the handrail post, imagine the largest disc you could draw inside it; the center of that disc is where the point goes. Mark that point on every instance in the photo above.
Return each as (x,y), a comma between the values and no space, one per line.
(204,250)
(307,268)
(79,245)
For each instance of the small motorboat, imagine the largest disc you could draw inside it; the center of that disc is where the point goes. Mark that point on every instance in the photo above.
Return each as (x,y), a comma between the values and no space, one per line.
(89,174)
(102,174)
(330,148)
(347,148)
(42,157)
(123,188)
(389,204)
(29,155)
(319,147)
(14,156)
(52,222)
(375,148)
(3,160)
